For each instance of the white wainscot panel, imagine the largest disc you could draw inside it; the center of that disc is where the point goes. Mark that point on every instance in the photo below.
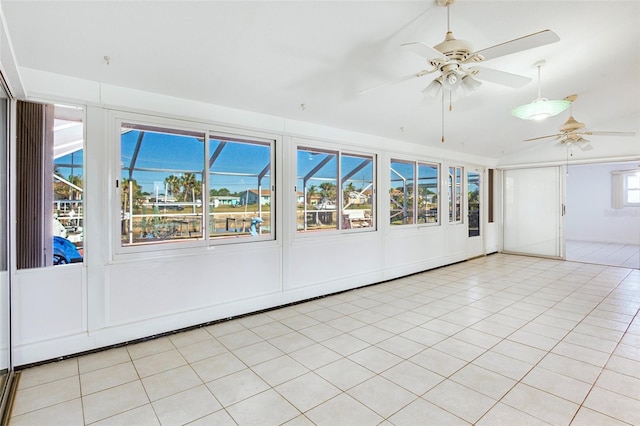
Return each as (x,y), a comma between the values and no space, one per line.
(47,303)
(152,289)
(325,264)
(412,250)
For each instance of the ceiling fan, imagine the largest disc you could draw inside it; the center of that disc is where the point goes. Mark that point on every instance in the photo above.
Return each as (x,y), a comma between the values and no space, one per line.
(450,59)
(572,131)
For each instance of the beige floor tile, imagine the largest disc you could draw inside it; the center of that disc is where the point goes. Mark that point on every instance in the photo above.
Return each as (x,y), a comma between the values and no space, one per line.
(237,386)
(459,349)
(239,339)
(163,361)
(315,356)
(186,406)
(202,350)
(402,347)
(150,347)
(625,366)
(504,365)
(190,337)
(375,359)
(345,344)
(540,404)
(557,384)
(412,377)
(619,383)
(219,418)
(344,373)
(504,415)
(279,370)
(112,401)
(477,338)
(103,359)
(307,391)
(48,373)
(67,413)
(614,405)
(97,380)
(271,330)
(484,381)
(217,366)
(460,400)
(588,417)
(46,395)
(519,351)
(343,410)
(170,382)
(424,336)
(438,362)
(320,332)
(299,322)
(382,396)
(225,327)
(291,342)
(141,416)
(580,353)
(422,412)
(570,367)
(257,353)
(266,408)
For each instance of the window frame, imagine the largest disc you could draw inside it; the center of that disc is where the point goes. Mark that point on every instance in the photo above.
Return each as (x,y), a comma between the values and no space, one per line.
(455,184)
(205,241)
(341,224)
(627,189)
(415,216)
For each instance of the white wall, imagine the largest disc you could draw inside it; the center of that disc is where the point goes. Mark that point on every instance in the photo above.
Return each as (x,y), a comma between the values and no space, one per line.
(590,215)
(112,299)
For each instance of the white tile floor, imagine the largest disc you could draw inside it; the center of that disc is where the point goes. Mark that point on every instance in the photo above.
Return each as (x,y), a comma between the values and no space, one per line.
(624,255)
(499,340)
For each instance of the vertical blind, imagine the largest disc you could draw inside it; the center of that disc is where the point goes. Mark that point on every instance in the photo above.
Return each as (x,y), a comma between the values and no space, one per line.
(34,163)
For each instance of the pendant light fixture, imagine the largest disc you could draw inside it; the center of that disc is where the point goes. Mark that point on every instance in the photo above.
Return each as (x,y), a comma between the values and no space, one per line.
(540,108)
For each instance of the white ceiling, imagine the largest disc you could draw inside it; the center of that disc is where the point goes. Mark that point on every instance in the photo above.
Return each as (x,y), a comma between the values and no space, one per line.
(271,57)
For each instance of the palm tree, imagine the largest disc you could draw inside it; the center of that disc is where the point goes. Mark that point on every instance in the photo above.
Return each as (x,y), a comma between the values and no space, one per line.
(188,182)
(328,192)
(173,185)
(311,192)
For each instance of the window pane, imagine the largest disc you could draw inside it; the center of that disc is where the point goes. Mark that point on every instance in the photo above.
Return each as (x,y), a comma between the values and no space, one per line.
(455,194)
(68,185)
(161,185)
(240,195)
(357,191)
(473,189)
(316,185)
(401,192)
(427,193)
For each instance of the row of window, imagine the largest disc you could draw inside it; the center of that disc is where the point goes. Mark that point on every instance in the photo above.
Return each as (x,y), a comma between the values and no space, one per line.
(184,185)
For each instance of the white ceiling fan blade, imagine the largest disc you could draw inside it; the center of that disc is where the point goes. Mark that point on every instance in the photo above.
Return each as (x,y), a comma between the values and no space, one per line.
(423,50)
(542,137)
(599,133)
(519,44)
(396,81)
(499,77)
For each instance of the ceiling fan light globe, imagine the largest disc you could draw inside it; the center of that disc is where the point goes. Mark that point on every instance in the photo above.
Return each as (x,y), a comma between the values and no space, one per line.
(433,89)
(469,84)
(540,109)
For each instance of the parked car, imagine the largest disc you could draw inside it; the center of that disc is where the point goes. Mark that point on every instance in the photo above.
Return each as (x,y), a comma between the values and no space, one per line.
(64,251)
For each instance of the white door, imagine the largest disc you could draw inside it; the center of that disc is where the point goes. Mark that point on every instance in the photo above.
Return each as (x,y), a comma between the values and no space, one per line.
(533,211)
(475,225)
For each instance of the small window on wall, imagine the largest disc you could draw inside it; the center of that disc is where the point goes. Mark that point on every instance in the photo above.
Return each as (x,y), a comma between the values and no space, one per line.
(632,189)
(161,184)
(407,208)
(401,192)
(49,185)
(325,202)
(240,194)
(455,194)
(168,196)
